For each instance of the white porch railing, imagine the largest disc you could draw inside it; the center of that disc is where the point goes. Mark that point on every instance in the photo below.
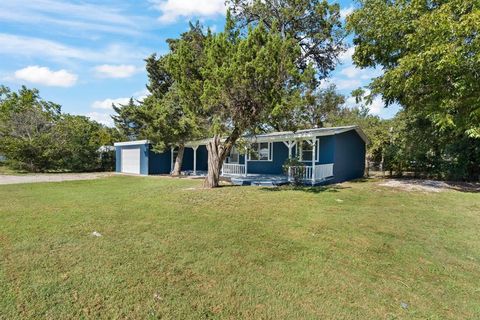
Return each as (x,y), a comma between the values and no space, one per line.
(322,171)
(233,169)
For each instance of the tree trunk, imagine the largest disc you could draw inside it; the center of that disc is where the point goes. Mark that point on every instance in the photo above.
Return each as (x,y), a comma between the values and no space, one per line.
(177,168)
(367,166)
(216,156)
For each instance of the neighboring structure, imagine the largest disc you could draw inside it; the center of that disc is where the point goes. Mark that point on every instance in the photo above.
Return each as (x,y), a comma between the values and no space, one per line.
(329,155)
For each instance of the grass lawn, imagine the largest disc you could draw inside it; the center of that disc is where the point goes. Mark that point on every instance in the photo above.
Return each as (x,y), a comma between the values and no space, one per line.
(172,250)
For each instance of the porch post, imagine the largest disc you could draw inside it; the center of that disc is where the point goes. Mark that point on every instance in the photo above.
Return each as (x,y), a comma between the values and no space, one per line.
(290,144)
(195,160)
(246,160)
(171,159)
(314,144)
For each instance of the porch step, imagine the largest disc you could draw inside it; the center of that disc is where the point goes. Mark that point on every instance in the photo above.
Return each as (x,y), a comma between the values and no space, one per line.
(261,180)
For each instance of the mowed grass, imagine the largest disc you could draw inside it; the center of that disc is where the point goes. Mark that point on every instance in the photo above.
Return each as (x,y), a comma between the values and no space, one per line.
(172,250)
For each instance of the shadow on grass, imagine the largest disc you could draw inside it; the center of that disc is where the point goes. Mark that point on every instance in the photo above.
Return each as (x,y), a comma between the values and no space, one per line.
(316,189)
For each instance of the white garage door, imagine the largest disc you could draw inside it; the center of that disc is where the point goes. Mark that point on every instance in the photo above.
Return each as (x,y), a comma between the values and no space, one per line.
(131,160)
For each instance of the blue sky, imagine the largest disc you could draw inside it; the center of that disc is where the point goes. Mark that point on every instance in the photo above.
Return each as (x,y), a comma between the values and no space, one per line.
(85,55)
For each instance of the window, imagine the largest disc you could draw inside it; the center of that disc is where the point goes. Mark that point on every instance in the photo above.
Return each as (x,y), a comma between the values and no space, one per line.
(234,155)
(260,152)
(305,152)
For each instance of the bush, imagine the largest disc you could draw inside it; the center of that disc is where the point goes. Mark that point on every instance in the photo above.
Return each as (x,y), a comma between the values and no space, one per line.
(295,169)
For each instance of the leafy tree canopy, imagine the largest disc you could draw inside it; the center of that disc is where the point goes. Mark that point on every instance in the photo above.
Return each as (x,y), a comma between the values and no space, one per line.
(430,53)
(314,25)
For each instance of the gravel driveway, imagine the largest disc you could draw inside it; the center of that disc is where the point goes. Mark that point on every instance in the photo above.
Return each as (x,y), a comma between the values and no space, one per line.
(52,177)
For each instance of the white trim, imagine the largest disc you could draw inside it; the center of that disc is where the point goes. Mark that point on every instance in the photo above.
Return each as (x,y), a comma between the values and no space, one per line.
(195,160)
(299,152)
(131,143)
(270,151)
(234,151)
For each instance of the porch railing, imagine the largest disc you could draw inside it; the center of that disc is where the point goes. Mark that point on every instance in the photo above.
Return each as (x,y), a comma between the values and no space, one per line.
(322,171)
(233,169)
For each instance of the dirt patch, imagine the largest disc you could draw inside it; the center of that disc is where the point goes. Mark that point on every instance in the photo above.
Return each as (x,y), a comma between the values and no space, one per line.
(429,185)
(54,177)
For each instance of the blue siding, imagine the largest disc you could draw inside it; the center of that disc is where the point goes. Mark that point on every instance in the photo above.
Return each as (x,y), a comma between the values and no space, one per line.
(187,163)
(118,159)
(349,156)
(280,155)
(327,150)
(202,158)
(144,154)
(159,163)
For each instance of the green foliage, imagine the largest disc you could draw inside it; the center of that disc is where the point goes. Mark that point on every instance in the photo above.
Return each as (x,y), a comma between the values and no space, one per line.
(78,140)
(167,116)
(297,172)
(429,51)
(36,136)
(415,145)
(375,128)
(249,79)
(314,25)
(127,120)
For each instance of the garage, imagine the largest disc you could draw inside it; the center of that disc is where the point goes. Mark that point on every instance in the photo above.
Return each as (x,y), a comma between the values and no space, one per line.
(132,157)
(131,160)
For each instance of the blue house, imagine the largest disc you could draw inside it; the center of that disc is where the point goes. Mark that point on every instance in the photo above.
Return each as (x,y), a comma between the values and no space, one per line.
(328,155)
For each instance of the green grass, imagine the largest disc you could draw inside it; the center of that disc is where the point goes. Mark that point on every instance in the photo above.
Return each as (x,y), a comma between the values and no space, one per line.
(4,169)
(172,250)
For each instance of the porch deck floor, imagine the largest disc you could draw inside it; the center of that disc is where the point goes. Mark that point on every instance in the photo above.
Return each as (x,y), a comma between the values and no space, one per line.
(259,180)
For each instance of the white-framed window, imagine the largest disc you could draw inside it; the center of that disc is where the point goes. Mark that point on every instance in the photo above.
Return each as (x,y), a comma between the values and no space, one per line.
(260,151)
(234,156)
(304,150)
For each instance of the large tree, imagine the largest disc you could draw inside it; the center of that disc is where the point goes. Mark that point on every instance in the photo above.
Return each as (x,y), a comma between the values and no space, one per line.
(315,25)
(26,122)
(245,80)
(169,115)
(430,54)
(36,136)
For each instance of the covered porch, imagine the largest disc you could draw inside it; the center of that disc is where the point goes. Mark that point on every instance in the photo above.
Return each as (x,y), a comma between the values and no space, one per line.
(302,145)
(238,173)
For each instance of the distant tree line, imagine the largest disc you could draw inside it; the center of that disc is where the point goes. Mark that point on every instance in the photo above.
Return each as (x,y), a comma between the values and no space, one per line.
(37,137)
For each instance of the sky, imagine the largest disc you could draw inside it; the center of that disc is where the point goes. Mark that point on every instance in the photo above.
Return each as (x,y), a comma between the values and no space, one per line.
(86,55)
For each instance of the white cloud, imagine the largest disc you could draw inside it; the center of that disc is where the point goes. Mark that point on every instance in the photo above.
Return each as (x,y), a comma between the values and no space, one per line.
(377,107)
(76,16)
(45,76)
(116,71)
(35,47)
(347,84)
(351,71)
(107,103)
(345,12)
(365,74)
(171,10)
(347,55)
(103,118)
